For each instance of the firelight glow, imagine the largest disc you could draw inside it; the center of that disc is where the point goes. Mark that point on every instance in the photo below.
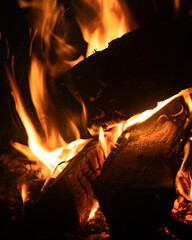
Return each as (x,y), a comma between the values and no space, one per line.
(108,139)
(49,148)
(24,192)
(45,143)
(109,23)
(92,213)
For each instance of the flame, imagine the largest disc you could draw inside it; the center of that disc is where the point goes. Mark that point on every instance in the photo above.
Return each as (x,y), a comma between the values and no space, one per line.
(186,154)
(191,191)
(46,146)
(93,211)
(186,151)
(184,173)
(24,192)
(177,6)
(108,139)
(103,141)
(107,22)
(50,26)
(45,143)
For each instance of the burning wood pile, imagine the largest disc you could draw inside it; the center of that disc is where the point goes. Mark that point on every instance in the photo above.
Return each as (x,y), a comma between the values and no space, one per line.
(88,160)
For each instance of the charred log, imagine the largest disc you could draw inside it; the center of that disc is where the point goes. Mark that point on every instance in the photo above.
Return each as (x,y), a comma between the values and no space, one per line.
(69,199)
(134,73)
(136,188)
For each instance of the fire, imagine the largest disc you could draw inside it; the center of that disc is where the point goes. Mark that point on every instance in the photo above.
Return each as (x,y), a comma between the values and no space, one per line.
(176,6)
(47,146)
(45,142)
(103,141)
(107,22)
(92,213)
(184,171)
(191,190)
(24,192)
(50,26)
(109,138)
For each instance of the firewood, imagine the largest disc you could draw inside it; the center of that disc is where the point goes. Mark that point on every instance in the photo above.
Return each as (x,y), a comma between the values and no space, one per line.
(69,199)
(136,187)
(134,73)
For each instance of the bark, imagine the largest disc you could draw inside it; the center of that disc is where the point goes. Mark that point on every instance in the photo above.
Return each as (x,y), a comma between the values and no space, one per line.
(136,188)
(69,199)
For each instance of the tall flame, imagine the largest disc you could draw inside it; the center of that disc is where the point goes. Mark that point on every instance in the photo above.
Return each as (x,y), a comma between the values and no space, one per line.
(45,143)
(107,21)
(24,192)
(51,29)
(94,210)
(46,146)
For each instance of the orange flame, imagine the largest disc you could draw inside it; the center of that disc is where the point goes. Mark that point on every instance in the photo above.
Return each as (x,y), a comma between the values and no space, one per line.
(49,24)
(177,6)
(49,147)
(92,213)
(191,191)
(108,139)
(107,22)
(103,141)
(24,192)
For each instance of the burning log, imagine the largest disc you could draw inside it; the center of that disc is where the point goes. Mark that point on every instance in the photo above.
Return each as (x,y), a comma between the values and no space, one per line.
(133,73)
(136,187)
(69,199)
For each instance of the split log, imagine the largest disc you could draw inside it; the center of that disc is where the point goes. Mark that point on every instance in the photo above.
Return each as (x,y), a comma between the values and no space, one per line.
(69,199)
(134,73)
(136,187)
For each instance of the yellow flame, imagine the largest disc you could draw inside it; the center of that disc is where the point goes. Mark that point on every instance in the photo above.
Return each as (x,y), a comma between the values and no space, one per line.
(186,154)
(188,100)
(93,211)
(108,138)
(103,142)
(109,22)
(46,144)
(48,147)
(24,192)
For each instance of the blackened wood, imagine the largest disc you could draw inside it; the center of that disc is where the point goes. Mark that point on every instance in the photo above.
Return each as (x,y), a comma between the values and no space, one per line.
(134,73)
(136,187)
(69,200)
